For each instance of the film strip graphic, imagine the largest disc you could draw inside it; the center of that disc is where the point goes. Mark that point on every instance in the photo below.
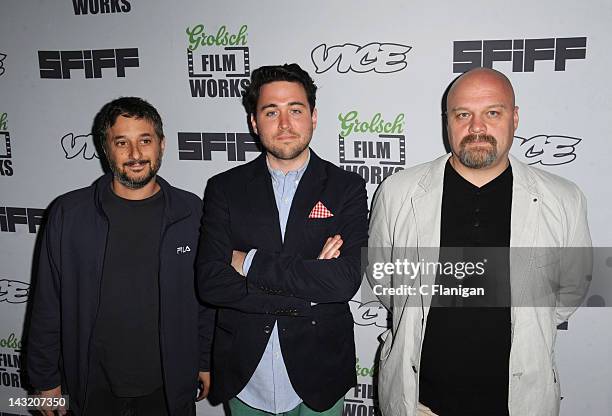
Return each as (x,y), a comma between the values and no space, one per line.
(402,150)
(5,145)
(246,58)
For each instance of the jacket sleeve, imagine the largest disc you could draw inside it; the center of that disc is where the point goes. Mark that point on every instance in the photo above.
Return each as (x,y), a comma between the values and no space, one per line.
(319,281)
(218,283)
(43,348)
(206,328)
(576,261)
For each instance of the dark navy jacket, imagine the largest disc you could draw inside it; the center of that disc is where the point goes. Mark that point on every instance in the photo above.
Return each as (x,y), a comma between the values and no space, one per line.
(285,278)
(67,290)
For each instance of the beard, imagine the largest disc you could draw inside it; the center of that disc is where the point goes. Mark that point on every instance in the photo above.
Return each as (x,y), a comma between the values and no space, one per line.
(287,151)
(481,157)
(135,182)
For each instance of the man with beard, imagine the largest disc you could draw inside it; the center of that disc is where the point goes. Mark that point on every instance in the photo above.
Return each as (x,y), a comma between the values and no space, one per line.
(280,256)
(450,355)
(116,323)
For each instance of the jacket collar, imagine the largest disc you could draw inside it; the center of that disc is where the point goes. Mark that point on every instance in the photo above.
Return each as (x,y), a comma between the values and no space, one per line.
(174,210)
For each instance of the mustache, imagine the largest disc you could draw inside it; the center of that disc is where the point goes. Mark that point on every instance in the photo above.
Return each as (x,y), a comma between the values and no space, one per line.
(133,162)
(475,138)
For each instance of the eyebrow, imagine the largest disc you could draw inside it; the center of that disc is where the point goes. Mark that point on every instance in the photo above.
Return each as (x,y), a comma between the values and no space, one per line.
(123,137)
(276,105)
(487,107)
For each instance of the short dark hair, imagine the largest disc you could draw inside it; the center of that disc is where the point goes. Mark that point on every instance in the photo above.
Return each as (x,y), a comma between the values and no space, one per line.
(266,74)
(132,107)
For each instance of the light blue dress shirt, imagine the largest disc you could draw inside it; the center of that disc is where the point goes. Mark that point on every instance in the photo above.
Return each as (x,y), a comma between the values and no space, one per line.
(269,388)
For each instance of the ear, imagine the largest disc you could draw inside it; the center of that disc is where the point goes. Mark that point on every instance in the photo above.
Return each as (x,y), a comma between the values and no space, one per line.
(516,117)
(162,144)
(314,118)
(254,124)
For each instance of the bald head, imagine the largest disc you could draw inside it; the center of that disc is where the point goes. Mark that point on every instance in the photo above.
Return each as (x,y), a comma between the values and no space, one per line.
(480,77)
(481,118)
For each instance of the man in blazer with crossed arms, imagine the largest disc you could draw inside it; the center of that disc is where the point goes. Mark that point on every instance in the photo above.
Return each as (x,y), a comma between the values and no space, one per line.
(280,256)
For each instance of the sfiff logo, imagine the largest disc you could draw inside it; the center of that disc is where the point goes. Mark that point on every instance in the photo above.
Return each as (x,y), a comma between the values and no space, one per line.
(522,53)
(75,145)
(202,146)
(61,64)
(100,6)
(11,217)
(382,58)
(372,147)
(548,150)
(218,65)
(6,163)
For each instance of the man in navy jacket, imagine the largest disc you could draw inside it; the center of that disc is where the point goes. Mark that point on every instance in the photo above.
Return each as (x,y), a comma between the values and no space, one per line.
(280,255)
(116,323)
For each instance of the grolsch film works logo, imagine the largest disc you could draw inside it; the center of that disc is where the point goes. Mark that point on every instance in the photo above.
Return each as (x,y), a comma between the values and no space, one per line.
(218,63)
(10,361)
(374,147)
(6,163)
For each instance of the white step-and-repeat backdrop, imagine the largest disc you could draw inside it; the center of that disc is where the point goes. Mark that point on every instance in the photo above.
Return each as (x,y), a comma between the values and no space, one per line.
(374,62)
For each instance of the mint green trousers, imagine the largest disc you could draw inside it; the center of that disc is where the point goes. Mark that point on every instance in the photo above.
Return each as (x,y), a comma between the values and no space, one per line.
(239,408)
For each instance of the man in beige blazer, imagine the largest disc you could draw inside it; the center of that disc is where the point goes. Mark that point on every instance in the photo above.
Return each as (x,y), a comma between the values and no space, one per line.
(478,360)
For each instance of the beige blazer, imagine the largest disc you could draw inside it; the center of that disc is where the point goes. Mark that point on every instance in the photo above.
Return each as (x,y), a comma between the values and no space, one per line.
(548,213)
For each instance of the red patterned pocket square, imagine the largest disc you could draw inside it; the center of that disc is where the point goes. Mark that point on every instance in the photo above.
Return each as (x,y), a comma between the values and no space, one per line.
(320,211)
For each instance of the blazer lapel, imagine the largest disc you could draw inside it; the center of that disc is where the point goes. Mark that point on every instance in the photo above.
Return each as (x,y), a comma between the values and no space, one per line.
(262,204)
(306,196)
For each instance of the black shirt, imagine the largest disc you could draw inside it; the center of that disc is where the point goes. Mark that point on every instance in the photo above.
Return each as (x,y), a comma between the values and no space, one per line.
(466,349)
(127,326)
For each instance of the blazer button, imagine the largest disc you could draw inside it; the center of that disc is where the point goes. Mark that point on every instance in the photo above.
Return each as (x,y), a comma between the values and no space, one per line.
(267,329)
(313,322)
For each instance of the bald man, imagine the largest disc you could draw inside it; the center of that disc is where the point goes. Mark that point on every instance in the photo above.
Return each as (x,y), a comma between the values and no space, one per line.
(476,340)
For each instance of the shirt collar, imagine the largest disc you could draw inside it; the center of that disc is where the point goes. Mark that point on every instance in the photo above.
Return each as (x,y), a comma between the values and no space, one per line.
(278,175)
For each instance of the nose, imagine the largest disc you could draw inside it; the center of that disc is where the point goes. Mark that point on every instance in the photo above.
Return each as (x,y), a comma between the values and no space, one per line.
(283,120)
(135,152)
(477,126)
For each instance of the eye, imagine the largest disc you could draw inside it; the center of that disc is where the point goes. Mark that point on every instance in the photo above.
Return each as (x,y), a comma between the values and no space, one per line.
(493,113)
(270,113)
(120,143)
(296,111)
(146,140)
(463,115)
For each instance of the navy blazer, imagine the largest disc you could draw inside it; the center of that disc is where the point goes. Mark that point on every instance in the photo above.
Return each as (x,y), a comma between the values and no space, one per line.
(317,341)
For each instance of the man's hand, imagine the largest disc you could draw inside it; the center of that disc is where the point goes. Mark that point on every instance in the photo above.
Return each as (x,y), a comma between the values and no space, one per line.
(331,249)
(238,261)
(53,393)
(204,380)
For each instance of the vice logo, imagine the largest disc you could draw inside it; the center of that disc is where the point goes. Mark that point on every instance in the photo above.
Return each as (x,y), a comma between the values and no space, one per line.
(522,53)
(14,291)
(82,145)
(382,58)
(548,150)
(201,146)
(101,6)
(370,313)
(60,64)
(2,57)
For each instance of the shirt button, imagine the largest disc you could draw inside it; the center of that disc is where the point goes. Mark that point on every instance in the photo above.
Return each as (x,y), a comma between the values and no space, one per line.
(477,210)
(476,224)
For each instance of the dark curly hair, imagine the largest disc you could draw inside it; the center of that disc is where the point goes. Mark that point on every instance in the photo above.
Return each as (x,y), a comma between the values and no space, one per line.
(266,74)
(132,107)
